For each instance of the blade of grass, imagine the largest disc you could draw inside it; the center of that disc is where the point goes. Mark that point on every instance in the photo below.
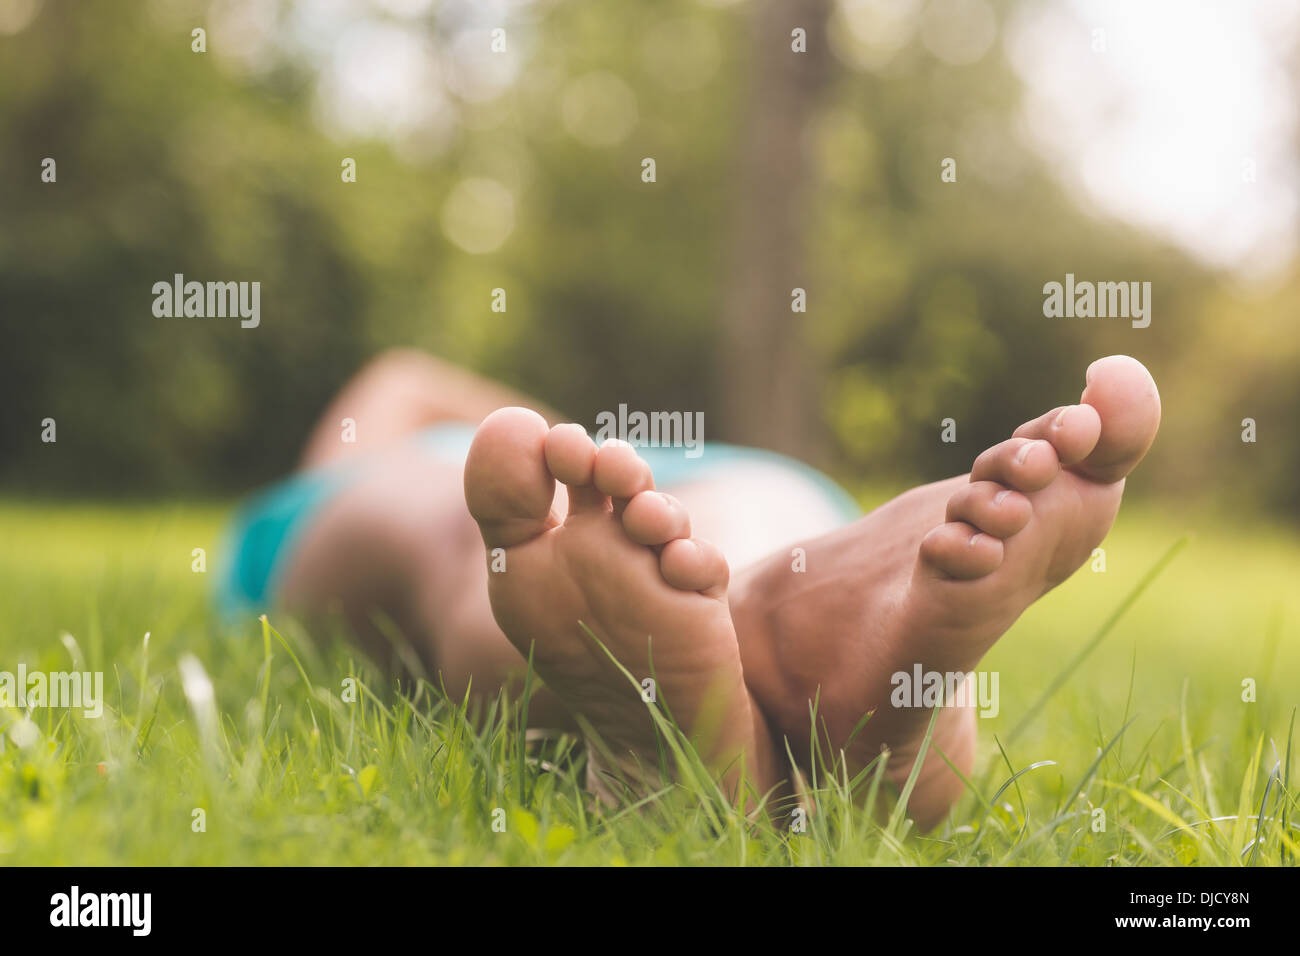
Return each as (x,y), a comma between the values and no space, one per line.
(900,808)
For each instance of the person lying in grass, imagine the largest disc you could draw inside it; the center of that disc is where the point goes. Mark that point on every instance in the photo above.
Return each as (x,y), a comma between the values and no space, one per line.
(467,529)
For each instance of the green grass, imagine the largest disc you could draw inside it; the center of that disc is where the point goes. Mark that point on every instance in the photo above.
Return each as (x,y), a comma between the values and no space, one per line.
(1149,727)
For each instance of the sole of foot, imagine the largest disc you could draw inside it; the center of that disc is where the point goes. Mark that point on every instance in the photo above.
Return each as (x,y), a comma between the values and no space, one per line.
(611,558)
(933,578)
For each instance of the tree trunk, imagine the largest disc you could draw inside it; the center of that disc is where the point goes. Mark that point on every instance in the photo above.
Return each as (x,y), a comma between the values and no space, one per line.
(769,399)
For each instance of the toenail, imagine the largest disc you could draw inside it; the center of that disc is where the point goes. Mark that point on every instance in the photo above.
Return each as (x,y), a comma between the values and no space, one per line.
(1060,419)
(973,538)
(1025,449)
(1001,496)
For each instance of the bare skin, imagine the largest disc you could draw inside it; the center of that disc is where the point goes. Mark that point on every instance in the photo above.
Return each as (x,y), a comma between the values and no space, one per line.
(617,565)
(934,577)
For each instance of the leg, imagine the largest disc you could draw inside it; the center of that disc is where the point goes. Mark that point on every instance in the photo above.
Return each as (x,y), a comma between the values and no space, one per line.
(398,562)
(401,392)
(395,558)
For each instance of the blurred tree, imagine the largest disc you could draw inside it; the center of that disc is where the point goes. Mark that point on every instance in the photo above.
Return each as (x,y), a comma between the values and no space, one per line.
(765,381)
(776,170)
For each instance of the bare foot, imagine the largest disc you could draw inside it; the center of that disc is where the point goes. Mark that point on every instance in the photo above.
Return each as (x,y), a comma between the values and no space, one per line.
(935,577)
(619,560)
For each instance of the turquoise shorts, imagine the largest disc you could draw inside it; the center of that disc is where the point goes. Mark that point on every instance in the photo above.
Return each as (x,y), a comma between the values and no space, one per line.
(266,529)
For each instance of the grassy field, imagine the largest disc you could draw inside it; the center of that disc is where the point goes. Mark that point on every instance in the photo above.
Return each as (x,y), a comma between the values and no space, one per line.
(251,727)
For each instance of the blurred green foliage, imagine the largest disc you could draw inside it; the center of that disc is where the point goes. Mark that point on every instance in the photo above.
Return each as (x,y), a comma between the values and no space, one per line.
(925,298)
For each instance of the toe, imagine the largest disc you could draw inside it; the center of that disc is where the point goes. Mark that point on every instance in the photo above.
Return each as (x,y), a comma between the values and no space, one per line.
(508,487)
(1128,404)
(1025,464)
(991,508)
(654,518)
(570,454)
(1073,431)
(962,551)
(571,457)
(620,472)
(694,565)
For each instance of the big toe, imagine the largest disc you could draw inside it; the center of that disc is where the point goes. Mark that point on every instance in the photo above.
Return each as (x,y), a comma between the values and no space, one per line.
(508,487)
(1125,396)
